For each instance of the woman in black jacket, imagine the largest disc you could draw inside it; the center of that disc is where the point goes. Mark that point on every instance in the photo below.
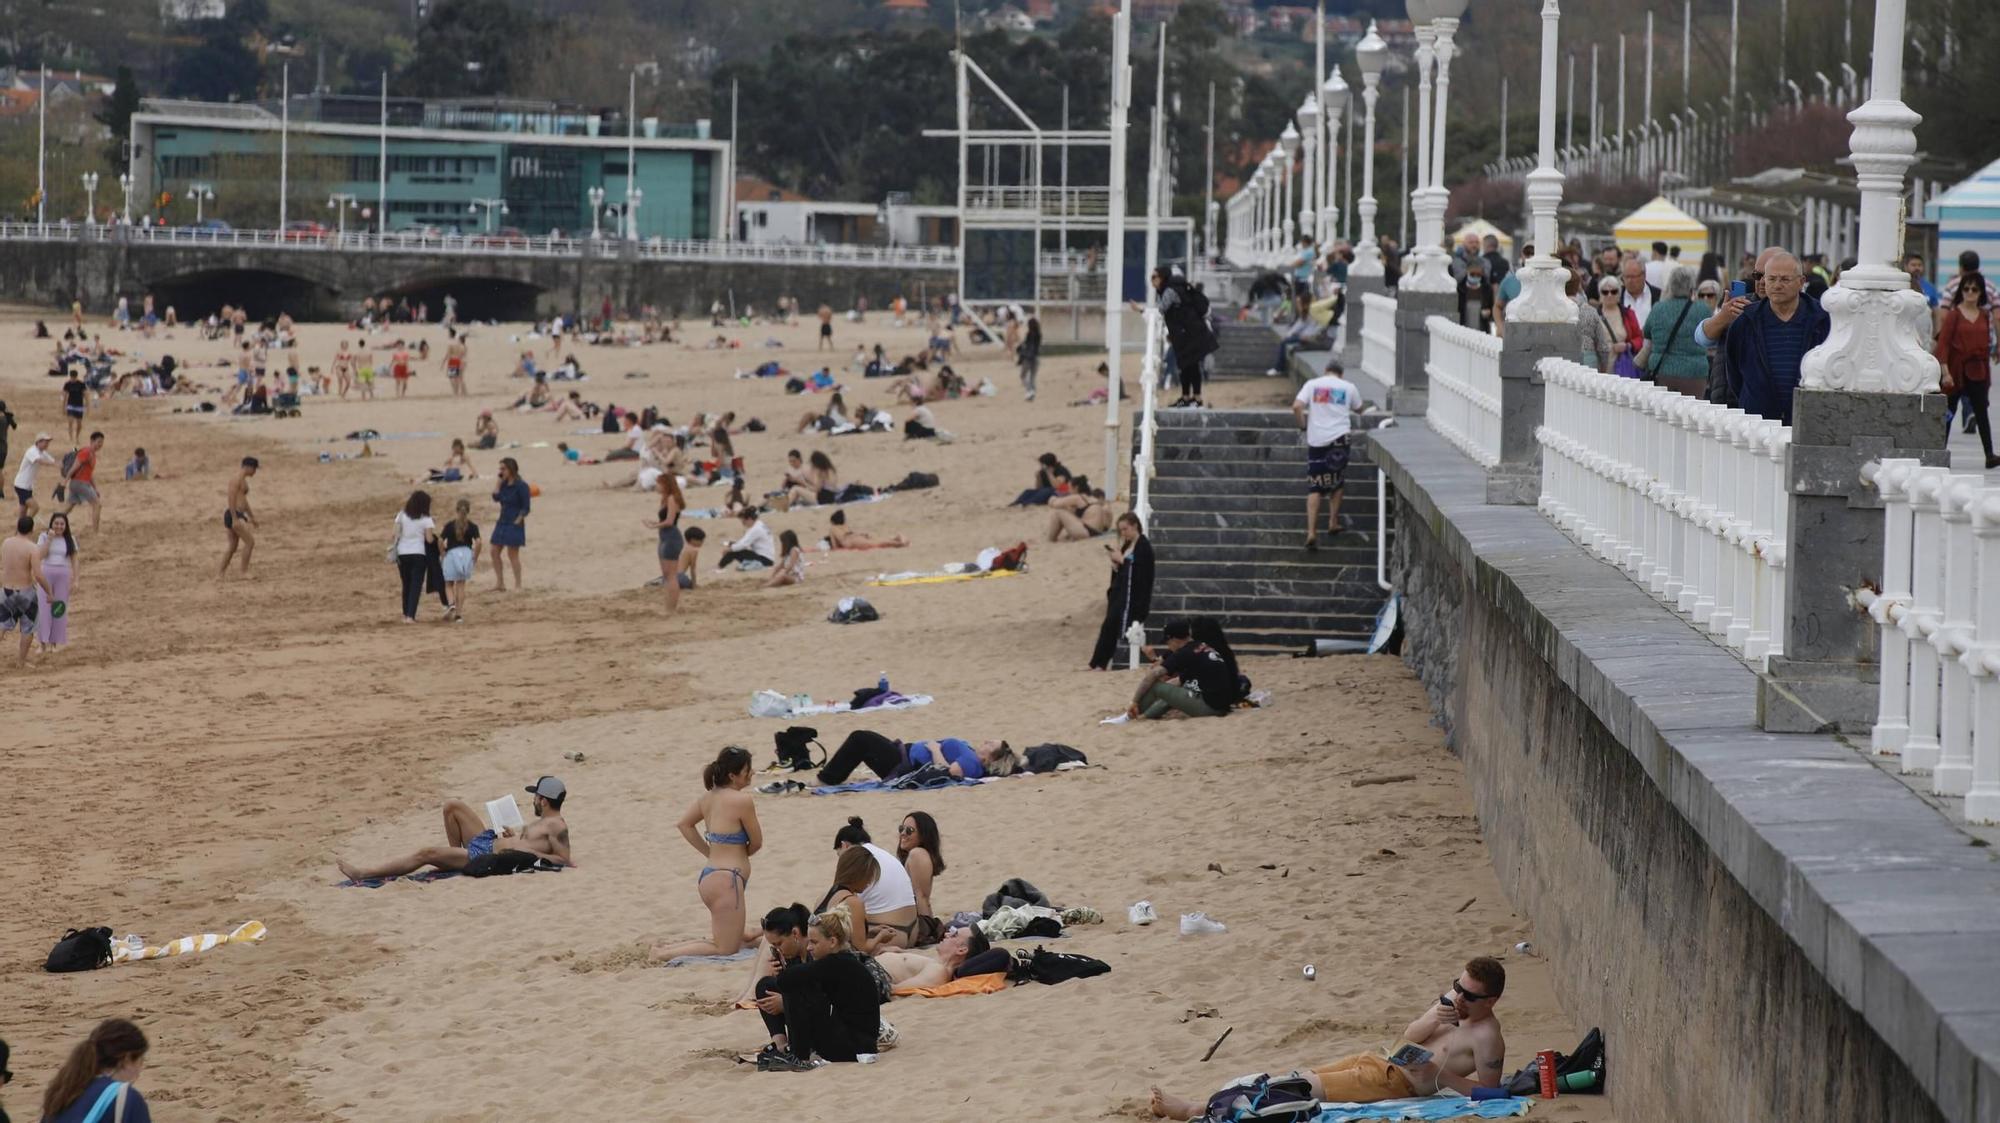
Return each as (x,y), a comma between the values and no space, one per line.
(1130,597)
(829,1002)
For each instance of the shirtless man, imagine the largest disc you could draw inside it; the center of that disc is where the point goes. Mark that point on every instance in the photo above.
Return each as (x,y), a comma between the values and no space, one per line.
(845,539)
(467,838)
(454,366)
(915,969)
(1461,1032)
(20,576)
(237,519)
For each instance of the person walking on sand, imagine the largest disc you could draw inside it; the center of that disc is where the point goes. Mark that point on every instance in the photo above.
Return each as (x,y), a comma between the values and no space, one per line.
(454,365)
(22,585)
(237,520)
(95,1081)
(722,825)
(672,544)
(75,395)
(32,462)
(415,531)
(460,539)
(467,838)
(55,553)
(825,328)
(510,530)
(80,484)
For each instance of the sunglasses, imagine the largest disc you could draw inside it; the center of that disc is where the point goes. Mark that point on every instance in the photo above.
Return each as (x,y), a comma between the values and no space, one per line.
(906,829)
(1470,996)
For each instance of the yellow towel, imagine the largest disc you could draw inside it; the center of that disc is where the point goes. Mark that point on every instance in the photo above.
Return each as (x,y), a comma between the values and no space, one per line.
(251,932)
(943,578)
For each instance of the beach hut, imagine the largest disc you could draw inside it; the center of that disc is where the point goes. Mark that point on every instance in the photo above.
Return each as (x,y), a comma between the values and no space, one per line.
(1481,228)
(1661,221)
(1968,218)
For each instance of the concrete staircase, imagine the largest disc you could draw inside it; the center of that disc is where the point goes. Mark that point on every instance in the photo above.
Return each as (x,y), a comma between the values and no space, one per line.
(1244,349)
(1228,529)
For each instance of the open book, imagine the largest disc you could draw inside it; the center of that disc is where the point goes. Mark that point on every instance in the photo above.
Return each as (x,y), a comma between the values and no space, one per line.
(504,813)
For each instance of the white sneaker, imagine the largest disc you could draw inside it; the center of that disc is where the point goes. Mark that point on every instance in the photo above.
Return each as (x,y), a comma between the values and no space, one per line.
(1142,913)
(1198,924)
(1272,373)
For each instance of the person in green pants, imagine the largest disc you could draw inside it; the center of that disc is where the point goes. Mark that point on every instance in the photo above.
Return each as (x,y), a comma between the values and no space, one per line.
(1207,685)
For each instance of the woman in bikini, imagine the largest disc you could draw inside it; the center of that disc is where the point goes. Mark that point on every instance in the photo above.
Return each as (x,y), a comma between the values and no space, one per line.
(343,369)
(845,539)
(922,855)
(722,824)
(1080,515)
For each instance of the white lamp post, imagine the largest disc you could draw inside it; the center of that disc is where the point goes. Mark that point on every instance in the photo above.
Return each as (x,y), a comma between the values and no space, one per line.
(1333,96)
(632,215)
(125,185)
(1308,120)
(1880,325)
(340,203)
(1371,54)
(90,196)
(488,206)
(202,193)
(1288,163)
(1542,300)
(1429,270)
(596,196)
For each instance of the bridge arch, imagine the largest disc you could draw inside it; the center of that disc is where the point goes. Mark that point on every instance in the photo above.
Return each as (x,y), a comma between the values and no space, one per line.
(261,291)
(481,295)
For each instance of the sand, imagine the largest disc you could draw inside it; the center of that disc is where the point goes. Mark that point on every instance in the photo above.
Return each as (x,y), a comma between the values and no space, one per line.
(204,749)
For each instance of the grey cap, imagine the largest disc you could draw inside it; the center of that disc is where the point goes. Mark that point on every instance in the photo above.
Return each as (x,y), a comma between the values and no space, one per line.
(549,788)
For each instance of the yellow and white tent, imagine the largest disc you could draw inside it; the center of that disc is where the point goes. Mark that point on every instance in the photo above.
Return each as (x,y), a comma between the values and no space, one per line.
(1661,221)
(1482,228)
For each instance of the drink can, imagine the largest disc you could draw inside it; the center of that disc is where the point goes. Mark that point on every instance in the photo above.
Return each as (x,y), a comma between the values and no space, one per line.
(1545,1063)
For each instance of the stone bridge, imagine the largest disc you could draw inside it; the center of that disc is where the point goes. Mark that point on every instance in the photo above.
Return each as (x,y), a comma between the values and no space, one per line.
(322,282)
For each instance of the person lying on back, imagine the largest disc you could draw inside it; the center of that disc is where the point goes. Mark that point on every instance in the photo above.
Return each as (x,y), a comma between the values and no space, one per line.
(964,951)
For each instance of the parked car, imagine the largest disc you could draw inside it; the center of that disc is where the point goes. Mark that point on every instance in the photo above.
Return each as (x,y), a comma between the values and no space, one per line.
(306,230)
(212,226)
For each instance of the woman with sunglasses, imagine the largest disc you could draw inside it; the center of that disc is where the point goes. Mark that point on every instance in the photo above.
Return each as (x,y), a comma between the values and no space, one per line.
(1966,343)
(922,855)
(1623,327)
(1594,338)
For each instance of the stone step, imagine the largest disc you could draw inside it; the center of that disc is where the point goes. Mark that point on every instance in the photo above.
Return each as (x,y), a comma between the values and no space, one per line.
(1291,467)
(1255,580)
(1284,487)
(1176,439)
(1189,497)
(1344,549)
(1286,534)
(1279,641)
(1226,419)
(1352,601)
(1346,616)
(1229,527)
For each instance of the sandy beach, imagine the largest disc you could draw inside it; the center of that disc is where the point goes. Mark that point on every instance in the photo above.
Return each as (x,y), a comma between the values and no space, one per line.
(204,749)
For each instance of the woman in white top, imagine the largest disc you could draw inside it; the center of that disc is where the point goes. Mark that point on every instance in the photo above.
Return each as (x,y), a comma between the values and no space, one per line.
(415,530)
(876,891)
(60,565)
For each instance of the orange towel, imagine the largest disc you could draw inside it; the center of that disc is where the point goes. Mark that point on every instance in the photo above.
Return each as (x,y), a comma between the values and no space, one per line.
(971,984)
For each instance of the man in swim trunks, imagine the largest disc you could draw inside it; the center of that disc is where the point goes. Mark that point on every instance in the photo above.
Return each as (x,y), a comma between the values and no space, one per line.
(454,366)
(20,576)
(915,969)
(1461,1032)
(237,519)
(467,838)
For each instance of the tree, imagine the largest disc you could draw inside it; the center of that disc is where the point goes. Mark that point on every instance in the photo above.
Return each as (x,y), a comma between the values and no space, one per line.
(475,47)
(117,116)
(221,68)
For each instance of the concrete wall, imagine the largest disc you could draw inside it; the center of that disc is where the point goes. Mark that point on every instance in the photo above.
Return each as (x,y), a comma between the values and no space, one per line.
(330,284)
(1725,904)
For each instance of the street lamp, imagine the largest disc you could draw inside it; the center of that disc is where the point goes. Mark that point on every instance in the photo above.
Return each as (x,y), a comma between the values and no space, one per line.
(1543,277)
(340,203)
(1333,95)
(596,195)
(632,214)
(90,194)
(488,206)
(1308,119)
(1288,153)
(1371,54)
(125,185)
(201,193)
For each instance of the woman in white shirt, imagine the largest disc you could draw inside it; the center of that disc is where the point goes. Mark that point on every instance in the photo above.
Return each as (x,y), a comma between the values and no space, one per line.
(876,890)
(414,530)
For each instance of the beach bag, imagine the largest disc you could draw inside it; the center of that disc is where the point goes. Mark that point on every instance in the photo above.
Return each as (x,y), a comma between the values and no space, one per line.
(1287,1099)
(795,385)
(1052,967)
(795,748)
(1013,557)
(917,481)
(80,949)
(769,703)
(1587,1059)
(853,610)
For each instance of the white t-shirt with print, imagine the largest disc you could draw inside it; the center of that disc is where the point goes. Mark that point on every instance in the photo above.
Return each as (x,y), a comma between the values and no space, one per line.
(1329,401)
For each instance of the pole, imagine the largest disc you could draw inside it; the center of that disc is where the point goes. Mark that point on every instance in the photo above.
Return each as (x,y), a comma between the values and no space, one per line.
(1114,258)
(382,164)
(1621,103)
(1503,121)
(1735,11)
(1154,152)
(1596,106)
(1319,169)
(285,146)
(631,223)
(1208,180)
(1367,251)
(1647,114)
(1062,159)
(964,98)
(1687,52)
(1347,177)
(1569,136)
(42,153)
(729,217)
(1403,184)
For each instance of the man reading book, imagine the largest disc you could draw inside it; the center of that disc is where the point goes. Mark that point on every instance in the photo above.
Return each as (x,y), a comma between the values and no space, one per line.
(1461,1032)
(468,839)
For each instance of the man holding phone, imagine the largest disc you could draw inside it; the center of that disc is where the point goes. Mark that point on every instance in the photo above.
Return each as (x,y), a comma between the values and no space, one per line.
(1765,339)
(1462,1048)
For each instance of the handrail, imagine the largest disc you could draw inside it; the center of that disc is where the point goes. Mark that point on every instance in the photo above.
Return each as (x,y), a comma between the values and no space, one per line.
(1155,330)
(1464,407)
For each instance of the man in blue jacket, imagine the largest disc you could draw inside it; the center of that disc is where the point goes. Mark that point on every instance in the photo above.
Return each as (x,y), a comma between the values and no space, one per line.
(1766,339)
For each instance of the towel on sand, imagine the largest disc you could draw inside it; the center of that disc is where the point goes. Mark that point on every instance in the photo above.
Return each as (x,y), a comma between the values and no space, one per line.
(735,957)
(971,984)
(251,932)
(1441,1106)
(941,577)
(769,707)
(420,877)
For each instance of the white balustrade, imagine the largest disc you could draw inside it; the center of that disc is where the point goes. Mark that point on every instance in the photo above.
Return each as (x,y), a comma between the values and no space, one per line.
(1939,620)
(1378,337)
(1154,333)
(1686,496)
(1464,371)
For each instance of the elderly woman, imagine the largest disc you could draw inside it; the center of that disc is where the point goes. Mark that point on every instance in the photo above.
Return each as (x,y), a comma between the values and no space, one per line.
(1671,357)
(1593,335)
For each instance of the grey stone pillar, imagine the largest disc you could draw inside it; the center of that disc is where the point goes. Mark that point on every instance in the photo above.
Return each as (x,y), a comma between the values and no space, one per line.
(1517,479)
(1412,395)
(1827,678)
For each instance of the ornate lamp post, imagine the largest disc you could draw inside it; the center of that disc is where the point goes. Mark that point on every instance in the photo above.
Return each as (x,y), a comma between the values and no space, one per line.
(1542,276)
(340,203)
(1308,121)
(125,185)
(90,195)
(1371,54)
(1288,163)
(1428,270)
(596,196)
(1333,96)
(202,193)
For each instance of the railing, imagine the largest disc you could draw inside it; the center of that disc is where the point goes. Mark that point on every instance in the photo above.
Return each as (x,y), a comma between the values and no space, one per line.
(1378,337)
(1050,202)
(477,244)
(1686,496)
(1464,369)
(1939,701)
(1154,327)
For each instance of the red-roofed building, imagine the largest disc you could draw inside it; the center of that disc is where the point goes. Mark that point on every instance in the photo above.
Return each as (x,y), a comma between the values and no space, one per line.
(907,8)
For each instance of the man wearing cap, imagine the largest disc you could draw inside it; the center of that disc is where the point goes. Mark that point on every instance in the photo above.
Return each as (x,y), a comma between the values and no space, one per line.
(466,838)
(31,464)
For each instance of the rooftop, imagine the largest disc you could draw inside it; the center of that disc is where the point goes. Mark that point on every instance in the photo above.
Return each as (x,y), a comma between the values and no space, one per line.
(495,115)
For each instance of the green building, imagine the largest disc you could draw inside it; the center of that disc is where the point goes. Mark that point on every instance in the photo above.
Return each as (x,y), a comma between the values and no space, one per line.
(541,162)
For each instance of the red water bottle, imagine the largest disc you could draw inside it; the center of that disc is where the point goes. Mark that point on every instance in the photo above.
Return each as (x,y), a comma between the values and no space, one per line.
(1545,1063)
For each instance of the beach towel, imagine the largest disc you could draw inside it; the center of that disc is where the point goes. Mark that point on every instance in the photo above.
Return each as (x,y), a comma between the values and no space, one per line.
(420,877)
(250,932)
(971,984)
(1441,1106)
(887,786)
(765,704)
(940,577)
(736,957)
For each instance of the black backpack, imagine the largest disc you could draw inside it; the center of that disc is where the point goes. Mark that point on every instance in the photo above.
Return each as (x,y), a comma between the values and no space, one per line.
(1287,1099)
(1052,967)
(916,481)
(795,748)
(80,949)
(1588,1058)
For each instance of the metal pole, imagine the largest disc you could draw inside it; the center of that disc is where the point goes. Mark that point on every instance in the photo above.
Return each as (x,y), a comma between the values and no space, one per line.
(1569,136)
(729,217)
(1403,186)
(42,153)
(1208,181)
(382,164)
(1784,39)
(1503,120)
(1114,266)
(1687,51)
(1347,157)
(1647,114)
(1062,214)
(631,222)
(1154,152)
(1735,11)
(1596,106)
(285,146)
(1621,102)
(964,97)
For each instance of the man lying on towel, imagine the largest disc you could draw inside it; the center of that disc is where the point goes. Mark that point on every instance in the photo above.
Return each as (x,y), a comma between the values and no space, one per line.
(1461,1033)
(964,951)
(467,839)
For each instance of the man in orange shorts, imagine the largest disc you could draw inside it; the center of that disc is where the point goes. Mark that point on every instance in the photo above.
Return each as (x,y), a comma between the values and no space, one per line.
(1461,1032)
